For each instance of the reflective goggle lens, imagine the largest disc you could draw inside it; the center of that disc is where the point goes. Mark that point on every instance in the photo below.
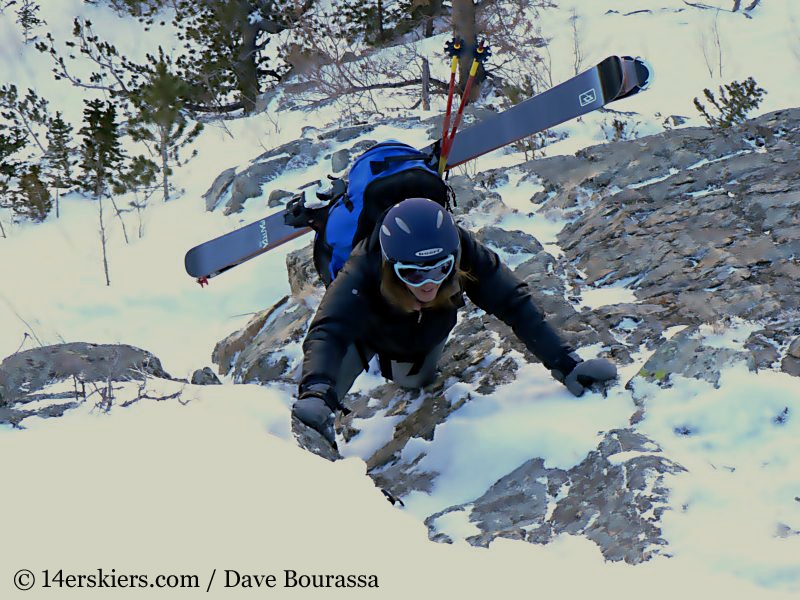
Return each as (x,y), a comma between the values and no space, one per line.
(418,275)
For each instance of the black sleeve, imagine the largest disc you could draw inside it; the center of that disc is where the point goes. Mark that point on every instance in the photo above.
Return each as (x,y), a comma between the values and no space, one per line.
(498,291)
(339,321)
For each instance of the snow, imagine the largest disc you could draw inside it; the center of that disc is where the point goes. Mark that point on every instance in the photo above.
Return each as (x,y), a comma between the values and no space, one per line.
(218,483)
(536,418)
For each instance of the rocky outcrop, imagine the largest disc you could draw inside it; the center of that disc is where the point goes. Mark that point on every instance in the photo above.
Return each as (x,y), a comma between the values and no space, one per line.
(703,225)
(614,497)
(24,375)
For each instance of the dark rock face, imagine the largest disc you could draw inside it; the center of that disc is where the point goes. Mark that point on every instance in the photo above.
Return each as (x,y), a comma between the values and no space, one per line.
(711,233)
(205,376)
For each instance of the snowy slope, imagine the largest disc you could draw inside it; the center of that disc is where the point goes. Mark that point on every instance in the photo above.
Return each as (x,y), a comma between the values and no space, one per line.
(159,487)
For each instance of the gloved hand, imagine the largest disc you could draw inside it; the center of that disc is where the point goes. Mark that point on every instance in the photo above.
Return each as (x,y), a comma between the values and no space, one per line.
(313,411)
(586,374)
(315,407)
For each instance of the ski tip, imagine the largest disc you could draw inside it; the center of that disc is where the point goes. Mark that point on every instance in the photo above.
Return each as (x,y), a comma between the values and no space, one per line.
(644,72)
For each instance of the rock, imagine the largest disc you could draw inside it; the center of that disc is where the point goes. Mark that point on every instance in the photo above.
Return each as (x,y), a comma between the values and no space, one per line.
(345,134)
(248,184)
(361,147)
(239,187)
(794,348)
(205,376)
(473,201)
(278,198)
(257,353)
(765,354)
(301,271)
(218,188)
(603,498)
(340,160)
(699,225)
(31,370)
(791,365)
(90,369)
(511,242)
(686,355)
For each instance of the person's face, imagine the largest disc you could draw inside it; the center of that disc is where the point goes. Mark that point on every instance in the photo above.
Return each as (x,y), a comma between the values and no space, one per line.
(425,293)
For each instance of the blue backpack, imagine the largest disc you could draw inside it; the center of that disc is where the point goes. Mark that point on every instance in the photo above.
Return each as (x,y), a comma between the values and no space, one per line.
(377,180)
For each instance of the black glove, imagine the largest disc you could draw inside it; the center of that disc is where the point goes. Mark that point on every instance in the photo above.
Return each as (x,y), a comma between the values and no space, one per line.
(587,374)
(313,411)
(315,408)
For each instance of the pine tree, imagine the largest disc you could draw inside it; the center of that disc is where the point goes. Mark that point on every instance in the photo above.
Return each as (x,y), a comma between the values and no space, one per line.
(101,154)
(100,151)
(229,51)
(160,118)
(377,21)
(12,141)
(736,100)
(33,200)
(227,43)
(29,113)
(59,156)
(141,178)
(28,20)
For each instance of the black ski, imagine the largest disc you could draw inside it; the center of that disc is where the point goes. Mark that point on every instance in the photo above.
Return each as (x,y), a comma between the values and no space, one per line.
(612,79)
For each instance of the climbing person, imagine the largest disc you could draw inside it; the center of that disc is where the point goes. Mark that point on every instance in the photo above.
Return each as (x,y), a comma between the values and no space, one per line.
(397,297)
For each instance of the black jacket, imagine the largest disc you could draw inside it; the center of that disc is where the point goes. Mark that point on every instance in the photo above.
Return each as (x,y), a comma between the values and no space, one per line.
(353,309)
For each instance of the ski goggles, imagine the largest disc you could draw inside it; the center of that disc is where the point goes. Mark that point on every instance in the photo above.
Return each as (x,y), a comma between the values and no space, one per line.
(419,275)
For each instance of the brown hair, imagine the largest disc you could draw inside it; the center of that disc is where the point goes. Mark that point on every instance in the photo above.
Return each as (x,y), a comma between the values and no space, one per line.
(398,295)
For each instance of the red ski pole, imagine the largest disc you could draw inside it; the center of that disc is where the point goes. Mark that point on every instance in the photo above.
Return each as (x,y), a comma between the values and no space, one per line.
(453,48)
(482,53)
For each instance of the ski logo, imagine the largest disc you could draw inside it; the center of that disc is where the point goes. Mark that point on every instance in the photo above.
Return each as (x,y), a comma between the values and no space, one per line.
(264,235)
(587,97)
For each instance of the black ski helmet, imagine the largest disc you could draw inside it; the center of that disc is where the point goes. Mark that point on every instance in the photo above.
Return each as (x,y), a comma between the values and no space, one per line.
(417,231)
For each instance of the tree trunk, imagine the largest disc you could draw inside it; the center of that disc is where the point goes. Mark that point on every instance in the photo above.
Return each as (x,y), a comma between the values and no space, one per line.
(98,193)
(464,28)
(163,141)
(246,68)
(426,84)
(381,33)
(121,220)
(103,241)
(433,8)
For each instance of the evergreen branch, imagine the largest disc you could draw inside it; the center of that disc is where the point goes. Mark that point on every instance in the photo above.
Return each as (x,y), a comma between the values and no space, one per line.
(223,108)
(357,89)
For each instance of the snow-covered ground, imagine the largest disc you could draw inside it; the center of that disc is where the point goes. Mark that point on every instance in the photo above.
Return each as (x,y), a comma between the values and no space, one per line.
(217,483)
